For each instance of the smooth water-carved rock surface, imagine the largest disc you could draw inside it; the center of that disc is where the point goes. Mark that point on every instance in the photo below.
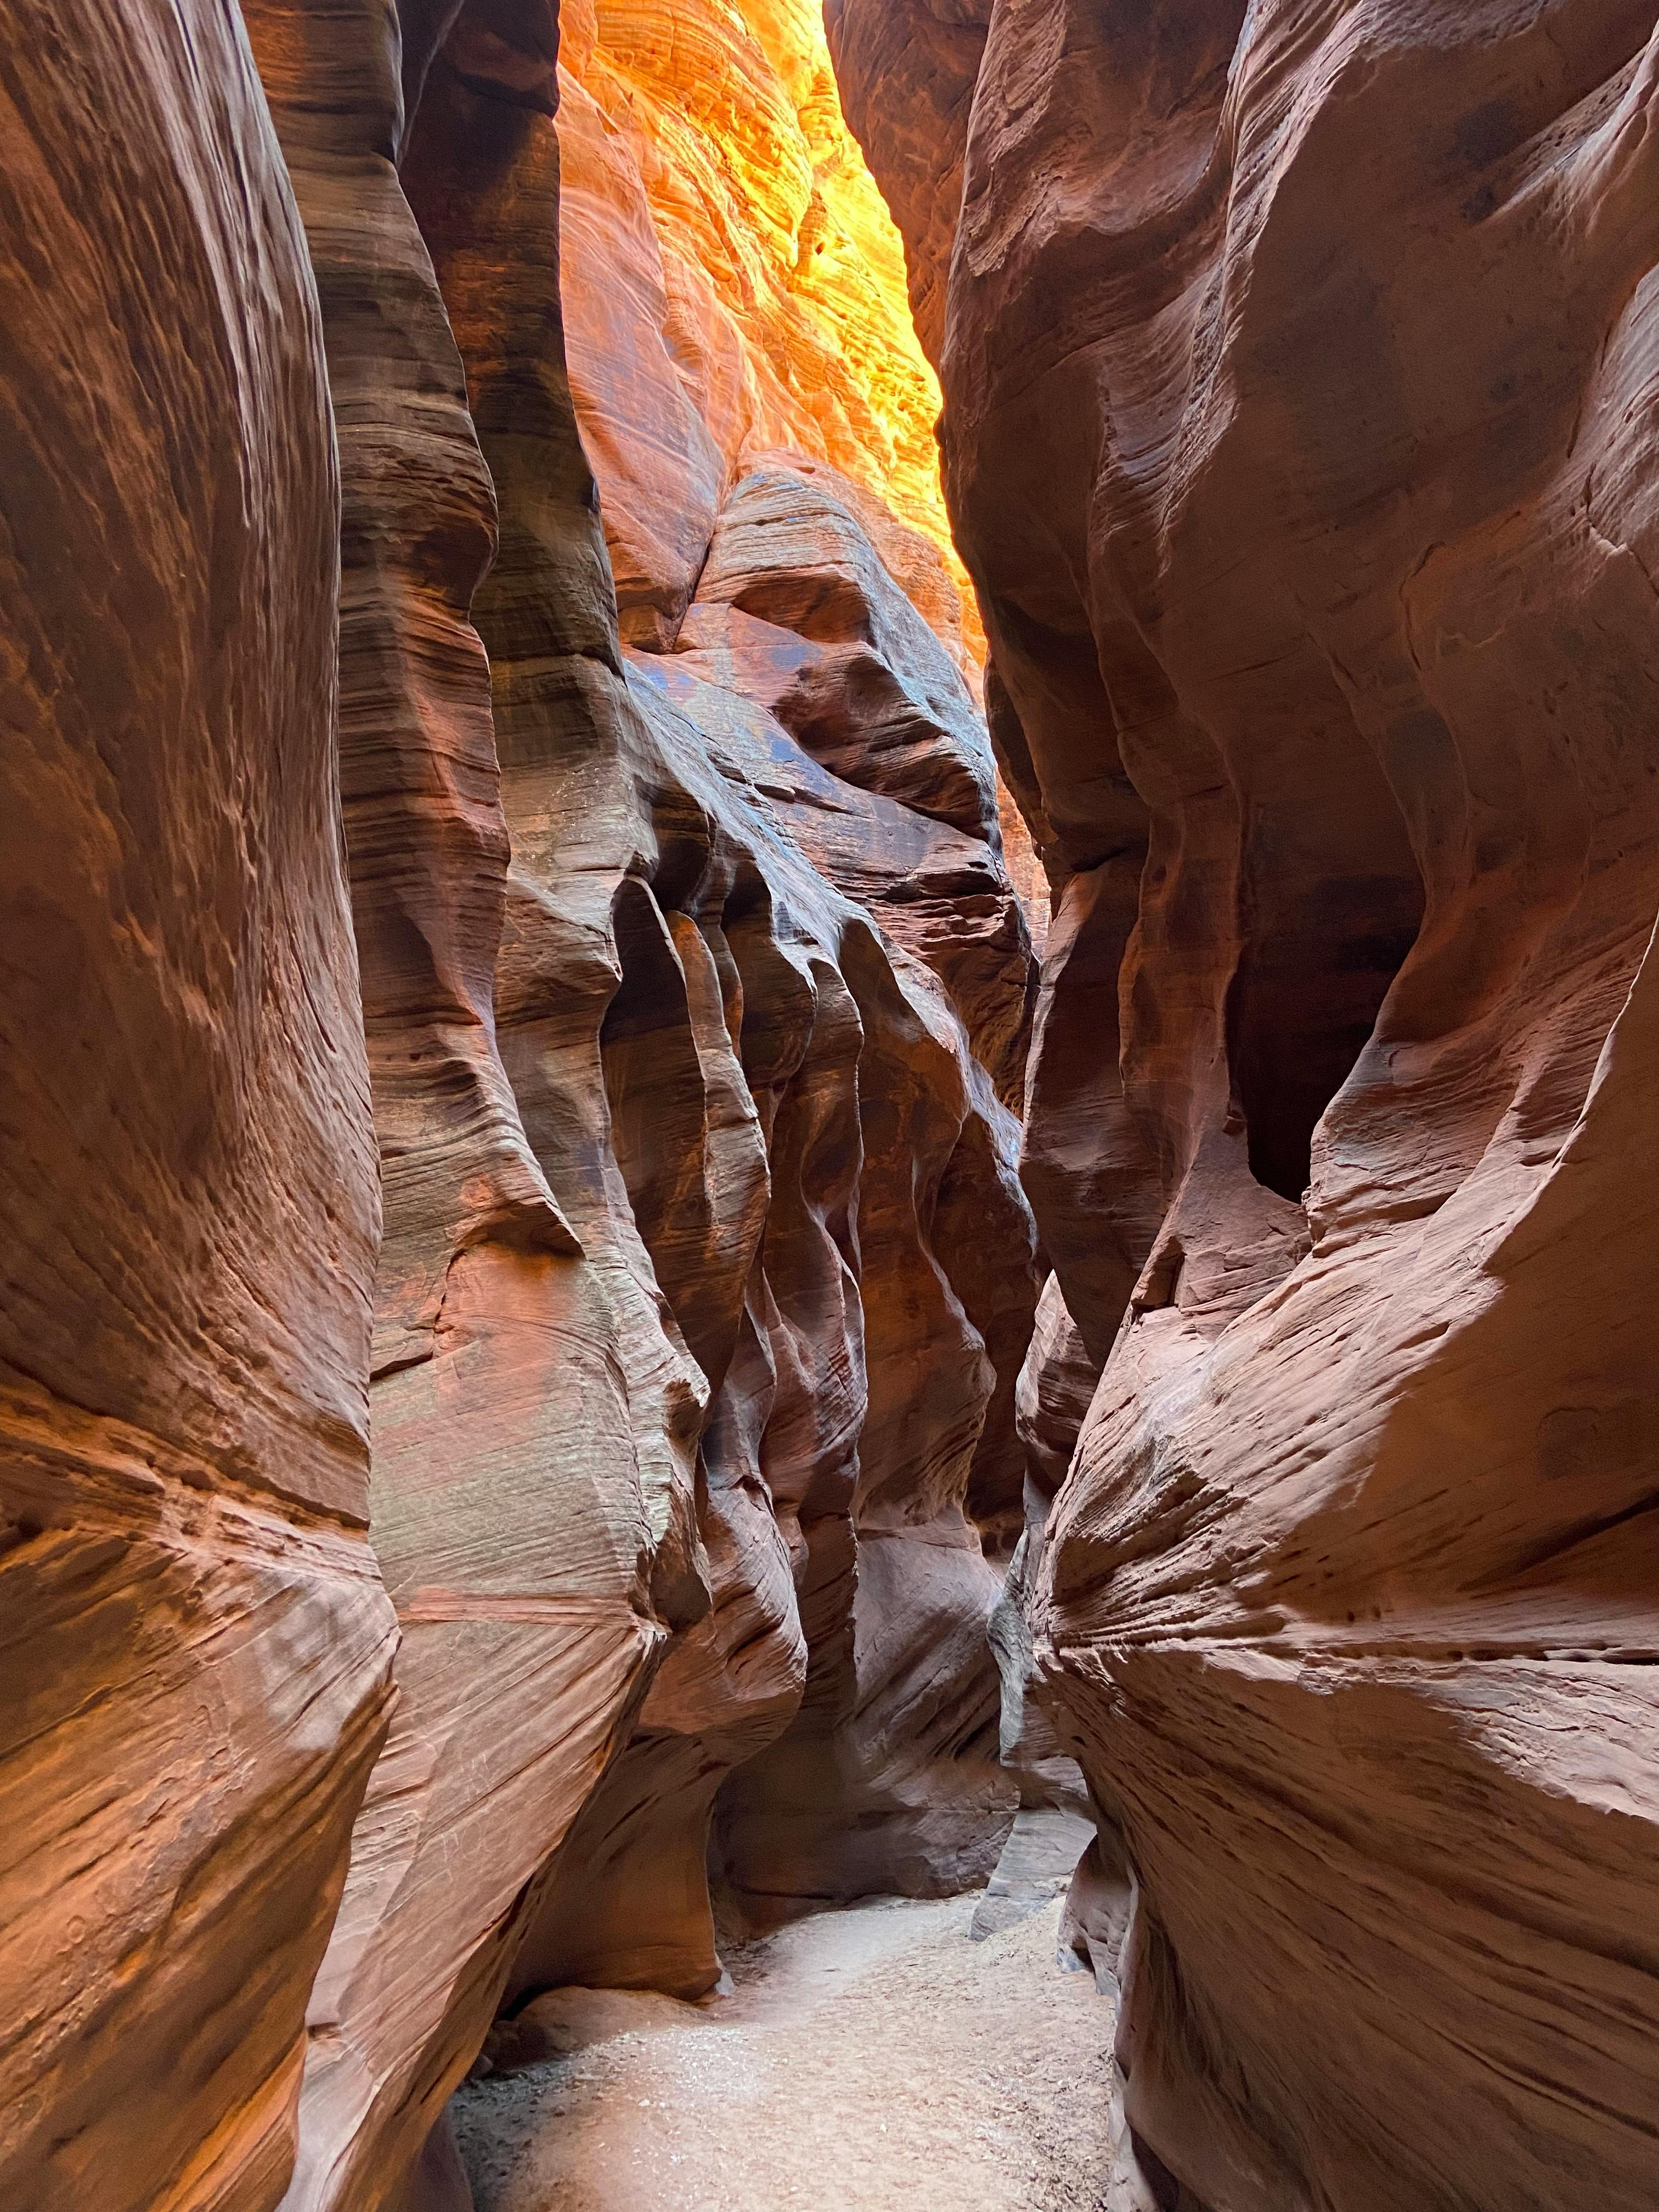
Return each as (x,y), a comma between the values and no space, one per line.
(732,284)
(691,1387)
(692,1006)
(194,1644)
(1324,632)
(532,1427)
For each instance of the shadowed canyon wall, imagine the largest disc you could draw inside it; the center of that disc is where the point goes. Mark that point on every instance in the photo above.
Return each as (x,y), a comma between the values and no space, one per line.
(486,695)
(196,1645)
(674,916)
(1300,365)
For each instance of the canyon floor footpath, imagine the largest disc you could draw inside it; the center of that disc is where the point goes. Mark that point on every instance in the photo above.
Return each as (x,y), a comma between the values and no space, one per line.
(870,2057)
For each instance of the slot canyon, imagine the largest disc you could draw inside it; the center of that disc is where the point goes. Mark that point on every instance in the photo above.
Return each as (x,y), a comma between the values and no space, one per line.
(829,1105)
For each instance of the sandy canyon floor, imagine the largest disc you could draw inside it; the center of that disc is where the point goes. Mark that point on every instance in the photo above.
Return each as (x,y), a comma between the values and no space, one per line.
(870,2057)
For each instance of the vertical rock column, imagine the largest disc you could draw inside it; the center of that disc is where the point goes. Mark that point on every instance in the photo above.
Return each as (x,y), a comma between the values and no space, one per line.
(642,950)
(515,1404)
(194,1642)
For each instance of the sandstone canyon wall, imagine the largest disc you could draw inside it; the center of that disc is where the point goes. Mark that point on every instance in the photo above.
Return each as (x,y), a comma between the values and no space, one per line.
(1300,364)
(734,285)
(696,996)
(196,1645)
(733,282)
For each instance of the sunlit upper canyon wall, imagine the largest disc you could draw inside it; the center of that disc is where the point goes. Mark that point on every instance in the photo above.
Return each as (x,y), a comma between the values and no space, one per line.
(516,1272)
(734,286)
(733,283)
(1301,377)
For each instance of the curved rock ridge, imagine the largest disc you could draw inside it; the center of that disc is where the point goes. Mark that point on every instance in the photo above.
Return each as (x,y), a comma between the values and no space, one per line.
(195,1646)
(734,298)
(907,76)
(637,1215)
(851,717)
(760,1014)
(759,423)
(687,1326)
(532,1503)
(1299,367)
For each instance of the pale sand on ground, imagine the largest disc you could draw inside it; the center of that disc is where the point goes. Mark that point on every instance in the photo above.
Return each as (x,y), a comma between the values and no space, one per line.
(869,2060)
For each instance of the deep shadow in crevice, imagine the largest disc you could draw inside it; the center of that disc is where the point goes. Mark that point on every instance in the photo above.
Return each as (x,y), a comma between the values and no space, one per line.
(1319,956)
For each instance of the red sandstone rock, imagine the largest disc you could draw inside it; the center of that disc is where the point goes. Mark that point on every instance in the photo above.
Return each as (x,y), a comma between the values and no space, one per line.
(890,1779)
(706,1276)
(928,51)
(891,798)
(914,562)
(713,340)
(532,1505)
(883,706)
(194,1644)
(663,472)
(1052,1399)
(1299,369)
(725,1102)
(729,250)
(1055,1387)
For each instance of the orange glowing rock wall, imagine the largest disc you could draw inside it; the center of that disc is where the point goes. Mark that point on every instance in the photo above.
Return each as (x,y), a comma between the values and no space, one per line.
(733,279)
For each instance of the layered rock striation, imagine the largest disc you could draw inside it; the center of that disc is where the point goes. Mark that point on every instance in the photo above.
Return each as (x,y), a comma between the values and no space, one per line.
(695,992)
(1299,367)
(733,283)
(624,1394)
(759,418)
(195,1644)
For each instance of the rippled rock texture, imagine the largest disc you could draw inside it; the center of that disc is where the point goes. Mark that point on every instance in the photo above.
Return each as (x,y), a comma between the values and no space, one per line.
(195,1646)
(732,282)
(695,993)
(1300,366)
(668,1124)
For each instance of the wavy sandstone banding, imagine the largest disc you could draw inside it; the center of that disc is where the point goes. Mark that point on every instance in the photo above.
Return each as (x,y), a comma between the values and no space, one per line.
(195,1645)
(524,1383)
(734,282)
(656,884)
(745,372)
(676,1140)
(1327,628)
(931,50)
(800,619)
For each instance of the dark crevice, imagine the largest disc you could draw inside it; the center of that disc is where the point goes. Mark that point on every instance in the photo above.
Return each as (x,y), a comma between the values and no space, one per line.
(1318,959)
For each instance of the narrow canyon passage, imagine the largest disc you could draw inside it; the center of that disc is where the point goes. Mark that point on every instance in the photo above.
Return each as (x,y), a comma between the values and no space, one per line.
(873,2059)
(829,1105)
